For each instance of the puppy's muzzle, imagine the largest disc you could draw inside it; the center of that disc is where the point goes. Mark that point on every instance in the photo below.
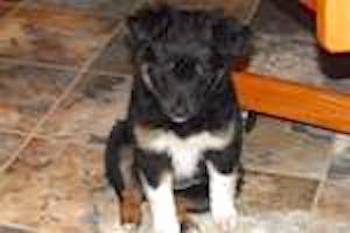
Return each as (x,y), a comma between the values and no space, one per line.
(181,110)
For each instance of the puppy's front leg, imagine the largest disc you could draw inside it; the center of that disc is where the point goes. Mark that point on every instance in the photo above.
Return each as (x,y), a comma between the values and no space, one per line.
(158,186)
(222,187)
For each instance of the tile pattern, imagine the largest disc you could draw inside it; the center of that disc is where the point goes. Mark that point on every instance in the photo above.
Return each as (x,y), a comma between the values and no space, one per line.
(286,152)
(292,222)
(326,227)
(116,57)
(9,144)
(26,94)
(5,8)
(333,204)
(44,194)
(97,97)
(232,8)
(285,47)
(15,229)
(52,35)
(275,193)
(294,182)
(100,7)
(23,190)
(340,166)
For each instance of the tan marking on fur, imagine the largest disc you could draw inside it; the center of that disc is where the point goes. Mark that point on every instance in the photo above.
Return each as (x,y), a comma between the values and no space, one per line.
(182,209)
(130,206)
(126,166)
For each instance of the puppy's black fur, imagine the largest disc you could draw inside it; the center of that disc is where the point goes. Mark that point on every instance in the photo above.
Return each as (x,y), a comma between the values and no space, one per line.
(183,59)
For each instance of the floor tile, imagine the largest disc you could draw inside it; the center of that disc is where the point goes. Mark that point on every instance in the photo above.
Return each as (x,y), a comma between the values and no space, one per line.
(100,7)
(234,8)
(328,227)
(93,164)
(272,223)
(292,222)
(107,210)
(116,57)
(89,112)
(69,207)
(281,44)
(15,229)
(27,93)
(24,189)
(105,203)
(333,204)
(5,8)
(11,1)
(54,36)
(39,154)
(273,147)
(262,193)
(340,166)
(278,57)
(276,19)
(9,143)
(46,190)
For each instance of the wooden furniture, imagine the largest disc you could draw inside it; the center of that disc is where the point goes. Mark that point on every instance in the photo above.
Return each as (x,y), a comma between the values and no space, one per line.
(333,23)
(293,101)
(320,107)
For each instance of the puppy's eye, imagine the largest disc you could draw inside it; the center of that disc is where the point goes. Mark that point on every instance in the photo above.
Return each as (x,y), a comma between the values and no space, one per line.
(171,65)
(199,69)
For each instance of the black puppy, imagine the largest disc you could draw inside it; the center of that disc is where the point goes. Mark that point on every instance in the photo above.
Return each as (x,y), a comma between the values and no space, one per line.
(184,123)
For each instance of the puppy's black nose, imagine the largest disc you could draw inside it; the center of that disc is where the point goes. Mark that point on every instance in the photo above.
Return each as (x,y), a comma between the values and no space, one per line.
(180,109)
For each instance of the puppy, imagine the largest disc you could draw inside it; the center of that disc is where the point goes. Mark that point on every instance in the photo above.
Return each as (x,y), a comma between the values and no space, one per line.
(184,126)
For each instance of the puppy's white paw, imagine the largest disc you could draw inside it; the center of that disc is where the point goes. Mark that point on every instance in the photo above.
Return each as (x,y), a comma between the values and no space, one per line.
(167,228)
(190,226)
(193,230)
(226,220)
(125,228)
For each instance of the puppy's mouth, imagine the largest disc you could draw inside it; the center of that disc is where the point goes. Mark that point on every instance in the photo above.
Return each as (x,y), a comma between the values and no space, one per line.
(179,120)
(180,113)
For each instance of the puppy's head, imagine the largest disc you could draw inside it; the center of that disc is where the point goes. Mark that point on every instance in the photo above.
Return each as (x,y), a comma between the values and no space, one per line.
(184,56)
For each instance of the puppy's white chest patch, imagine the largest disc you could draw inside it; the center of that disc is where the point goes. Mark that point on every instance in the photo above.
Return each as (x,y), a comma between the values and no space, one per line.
(185,152)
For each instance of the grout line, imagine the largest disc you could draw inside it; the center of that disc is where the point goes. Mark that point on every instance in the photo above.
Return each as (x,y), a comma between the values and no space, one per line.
(58,67)
(65,94)
(81,11)
(314,207)
(319,191)
(322,183)
(36,64)
(280,174)
(13,132)
(19,227)
(68,141)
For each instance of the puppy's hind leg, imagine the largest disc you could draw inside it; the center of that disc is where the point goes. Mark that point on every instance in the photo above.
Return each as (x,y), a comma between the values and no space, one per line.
(120,172)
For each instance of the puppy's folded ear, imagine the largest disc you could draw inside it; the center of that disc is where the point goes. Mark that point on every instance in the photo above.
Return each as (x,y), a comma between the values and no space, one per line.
(138,38)
(139,28)
(145,26)
(232,40)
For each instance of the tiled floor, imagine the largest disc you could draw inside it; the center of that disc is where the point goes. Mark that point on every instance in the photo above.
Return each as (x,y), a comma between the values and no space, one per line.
(65,77)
